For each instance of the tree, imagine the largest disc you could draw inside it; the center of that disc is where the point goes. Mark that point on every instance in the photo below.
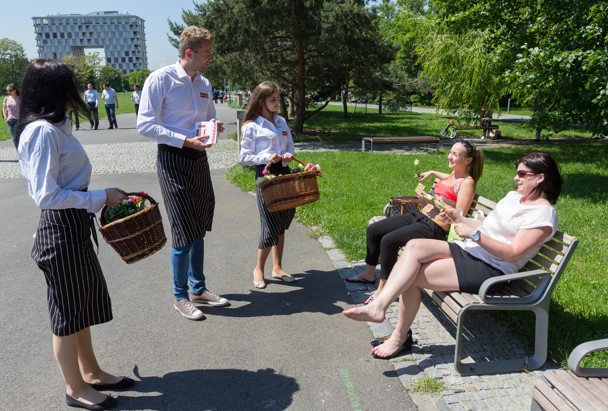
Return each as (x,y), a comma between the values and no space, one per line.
(115,78)
(290,42)
(138,77)
(13,62)
(86,68)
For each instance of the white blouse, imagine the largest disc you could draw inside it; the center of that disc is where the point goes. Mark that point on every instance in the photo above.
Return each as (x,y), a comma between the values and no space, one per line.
(502,224)
(262,138)
(57,168)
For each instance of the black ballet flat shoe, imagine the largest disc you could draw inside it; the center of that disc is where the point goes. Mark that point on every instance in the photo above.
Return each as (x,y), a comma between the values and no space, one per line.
(107,404)
(405,347)
(123,384)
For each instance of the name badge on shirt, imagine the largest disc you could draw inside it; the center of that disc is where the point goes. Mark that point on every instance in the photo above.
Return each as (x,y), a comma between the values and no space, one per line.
(204,95)
(284,133)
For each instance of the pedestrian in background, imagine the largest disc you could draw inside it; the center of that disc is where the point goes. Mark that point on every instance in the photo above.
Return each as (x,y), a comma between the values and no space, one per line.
(111,103)
(10,110)
(135,97)
(58,174)
(173,99)
(91,97)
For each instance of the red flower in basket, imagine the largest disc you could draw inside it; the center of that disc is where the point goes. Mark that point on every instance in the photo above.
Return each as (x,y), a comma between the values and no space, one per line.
(128,207)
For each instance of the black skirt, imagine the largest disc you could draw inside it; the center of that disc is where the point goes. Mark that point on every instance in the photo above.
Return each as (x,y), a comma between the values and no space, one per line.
(272,224)
(471,271)
(187,189)
(77,291)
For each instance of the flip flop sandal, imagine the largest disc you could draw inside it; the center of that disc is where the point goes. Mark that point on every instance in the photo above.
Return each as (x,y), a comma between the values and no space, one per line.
(356,279)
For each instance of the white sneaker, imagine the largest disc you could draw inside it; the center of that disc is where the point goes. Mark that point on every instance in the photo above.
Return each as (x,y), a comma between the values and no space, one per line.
(208,297)
(188,310)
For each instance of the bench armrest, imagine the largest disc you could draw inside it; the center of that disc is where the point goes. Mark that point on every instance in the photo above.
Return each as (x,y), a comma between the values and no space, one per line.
(503,279)
(580,352)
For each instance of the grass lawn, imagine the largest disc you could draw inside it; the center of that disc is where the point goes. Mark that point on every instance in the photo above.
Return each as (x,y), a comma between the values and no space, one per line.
(357,185)
(330,125)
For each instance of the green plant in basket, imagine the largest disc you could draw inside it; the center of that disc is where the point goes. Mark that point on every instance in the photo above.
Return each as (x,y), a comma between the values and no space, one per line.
(128,207)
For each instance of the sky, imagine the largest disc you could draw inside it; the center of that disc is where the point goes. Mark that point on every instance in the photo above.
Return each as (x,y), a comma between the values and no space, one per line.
(17,23)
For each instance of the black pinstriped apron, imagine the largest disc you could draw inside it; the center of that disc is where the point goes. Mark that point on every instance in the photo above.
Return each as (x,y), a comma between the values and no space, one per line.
(185,183)
(273,224)
(77,292)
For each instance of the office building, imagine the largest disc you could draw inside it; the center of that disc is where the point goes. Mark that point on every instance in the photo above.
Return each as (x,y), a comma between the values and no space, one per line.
(122,36)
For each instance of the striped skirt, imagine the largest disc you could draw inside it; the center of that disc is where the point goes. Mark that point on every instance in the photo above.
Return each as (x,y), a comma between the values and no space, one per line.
(187,191)
(77,291)
(272,224)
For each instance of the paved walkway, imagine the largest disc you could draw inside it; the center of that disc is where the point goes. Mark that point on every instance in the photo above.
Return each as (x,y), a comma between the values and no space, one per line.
(286,347)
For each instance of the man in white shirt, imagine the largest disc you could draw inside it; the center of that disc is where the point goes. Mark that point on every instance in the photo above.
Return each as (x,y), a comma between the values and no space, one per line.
(91,97)
(173,99)
(136,97)
(109,95)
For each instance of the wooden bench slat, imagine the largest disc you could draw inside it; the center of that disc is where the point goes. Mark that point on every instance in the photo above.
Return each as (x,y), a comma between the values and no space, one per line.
(548,399)
(575,389)
(444,307)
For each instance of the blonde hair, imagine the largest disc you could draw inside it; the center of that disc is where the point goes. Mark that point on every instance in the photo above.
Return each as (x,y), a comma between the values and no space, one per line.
(193,38)
(255,106)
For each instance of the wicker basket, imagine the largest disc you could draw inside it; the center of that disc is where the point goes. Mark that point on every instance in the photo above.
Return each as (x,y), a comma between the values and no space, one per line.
(136,236)
(289,191)
(401,205)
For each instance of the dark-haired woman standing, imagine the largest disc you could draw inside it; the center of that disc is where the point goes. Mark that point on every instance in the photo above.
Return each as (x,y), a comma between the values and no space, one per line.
(58,173)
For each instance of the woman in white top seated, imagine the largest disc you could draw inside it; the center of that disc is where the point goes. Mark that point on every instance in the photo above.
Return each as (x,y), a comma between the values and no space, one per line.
(511,234)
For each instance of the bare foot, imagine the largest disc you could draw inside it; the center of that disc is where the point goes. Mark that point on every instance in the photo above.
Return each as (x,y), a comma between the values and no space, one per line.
(101,378)
(388,348)
(88,396)
(367,313)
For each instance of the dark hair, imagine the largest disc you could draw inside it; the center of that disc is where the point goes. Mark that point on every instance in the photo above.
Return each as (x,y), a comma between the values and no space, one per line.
(13,88)
(106,85)
(543,163)
(256,105)
(49,90)
(476,165)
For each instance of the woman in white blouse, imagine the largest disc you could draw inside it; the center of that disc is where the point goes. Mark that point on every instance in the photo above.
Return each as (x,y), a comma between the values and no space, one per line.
(58,173)
(511,234)
(267,139)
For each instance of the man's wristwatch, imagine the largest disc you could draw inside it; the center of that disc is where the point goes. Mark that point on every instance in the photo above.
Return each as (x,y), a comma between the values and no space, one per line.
(476,235)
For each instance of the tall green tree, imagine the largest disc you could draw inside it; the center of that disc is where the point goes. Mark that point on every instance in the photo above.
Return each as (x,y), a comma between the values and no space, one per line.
(114,77)
(86,68)
(301,44)
(13,62)
(138,77)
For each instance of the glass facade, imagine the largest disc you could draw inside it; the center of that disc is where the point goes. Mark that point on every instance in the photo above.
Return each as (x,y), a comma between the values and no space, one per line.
(122,36)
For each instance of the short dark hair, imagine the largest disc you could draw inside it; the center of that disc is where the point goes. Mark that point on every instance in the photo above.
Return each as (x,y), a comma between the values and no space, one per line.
(49,89)
(543,163)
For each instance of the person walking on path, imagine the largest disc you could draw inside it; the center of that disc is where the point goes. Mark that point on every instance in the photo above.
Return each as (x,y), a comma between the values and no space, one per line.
(111,103)
(136,97)
(168,114)
(10,110)
(91,97)
(58,173)
(267,139)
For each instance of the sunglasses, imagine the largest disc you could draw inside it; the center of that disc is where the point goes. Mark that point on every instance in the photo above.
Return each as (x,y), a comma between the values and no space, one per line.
(523,173)
(470,147)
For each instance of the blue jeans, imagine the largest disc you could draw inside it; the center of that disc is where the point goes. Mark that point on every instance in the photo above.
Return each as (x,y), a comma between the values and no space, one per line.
(187,266)
(111,112)
(11,129)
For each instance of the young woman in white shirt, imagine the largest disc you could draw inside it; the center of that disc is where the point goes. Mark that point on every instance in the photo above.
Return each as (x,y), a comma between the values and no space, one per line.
(58,173)
(511,234)
(267,139)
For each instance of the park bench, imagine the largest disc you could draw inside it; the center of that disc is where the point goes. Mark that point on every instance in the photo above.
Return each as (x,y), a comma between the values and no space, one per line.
(576,388)
(399,140)
(528,290)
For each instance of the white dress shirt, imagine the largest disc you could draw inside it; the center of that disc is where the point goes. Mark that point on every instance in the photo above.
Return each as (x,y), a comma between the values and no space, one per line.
(171,103)
(57,168)
(91,96)
(262,138)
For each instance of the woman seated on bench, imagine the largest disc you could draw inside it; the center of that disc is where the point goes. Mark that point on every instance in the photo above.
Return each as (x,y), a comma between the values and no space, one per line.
(457,189)
(502,244)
